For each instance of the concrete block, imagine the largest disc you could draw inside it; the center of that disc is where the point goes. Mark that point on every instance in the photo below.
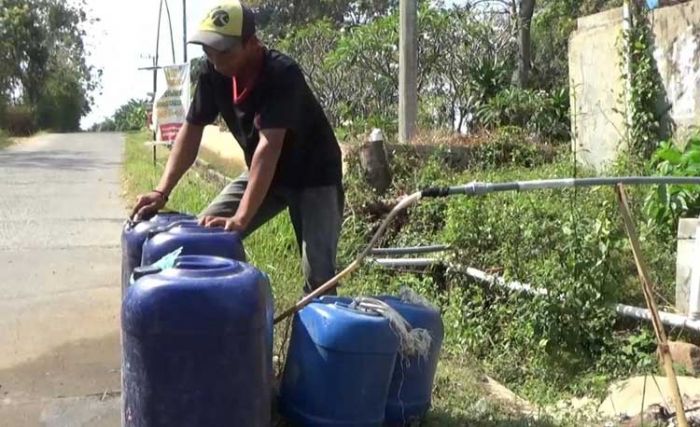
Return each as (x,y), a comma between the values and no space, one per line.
(685,355)
(685,260)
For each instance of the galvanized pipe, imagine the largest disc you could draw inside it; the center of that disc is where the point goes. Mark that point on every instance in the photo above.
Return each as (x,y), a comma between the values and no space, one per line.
(410,250)
(668,319)
(480,188)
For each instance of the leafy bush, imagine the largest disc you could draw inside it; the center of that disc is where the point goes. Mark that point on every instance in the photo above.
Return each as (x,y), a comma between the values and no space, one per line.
(666,204)
(19,120)
(131,116)
(542,113)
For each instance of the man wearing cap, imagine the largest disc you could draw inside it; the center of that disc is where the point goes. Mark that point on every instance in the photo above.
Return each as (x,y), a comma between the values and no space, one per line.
(293,157)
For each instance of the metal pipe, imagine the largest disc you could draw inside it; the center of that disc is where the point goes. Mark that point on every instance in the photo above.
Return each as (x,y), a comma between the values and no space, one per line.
(406,262)
(668,319)
(411,250)
(480,188)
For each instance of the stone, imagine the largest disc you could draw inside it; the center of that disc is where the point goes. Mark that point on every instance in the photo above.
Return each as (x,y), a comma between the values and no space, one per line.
(685,355)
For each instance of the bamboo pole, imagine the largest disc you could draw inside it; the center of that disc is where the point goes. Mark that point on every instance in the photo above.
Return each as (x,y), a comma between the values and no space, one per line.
(651,304)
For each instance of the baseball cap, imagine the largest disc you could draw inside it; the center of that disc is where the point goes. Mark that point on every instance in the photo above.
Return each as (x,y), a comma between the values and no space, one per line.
(226,25)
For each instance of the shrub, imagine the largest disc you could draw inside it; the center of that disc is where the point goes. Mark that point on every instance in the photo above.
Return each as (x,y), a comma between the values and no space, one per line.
(665,204)
(19,120)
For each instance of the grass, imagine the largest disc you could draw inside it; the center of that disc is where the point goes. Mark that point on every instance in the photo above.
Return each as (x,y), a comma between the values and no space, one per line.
(229,167)
(459,398)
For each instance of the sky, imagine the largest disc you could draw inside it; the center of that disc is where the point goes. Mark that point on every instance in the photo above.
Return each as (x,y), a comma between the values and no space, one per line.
(124,38)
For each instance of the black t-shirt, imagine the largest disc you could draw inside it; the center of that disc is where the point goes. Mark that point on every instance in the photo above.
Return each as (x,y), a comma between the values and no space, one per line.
(280,99)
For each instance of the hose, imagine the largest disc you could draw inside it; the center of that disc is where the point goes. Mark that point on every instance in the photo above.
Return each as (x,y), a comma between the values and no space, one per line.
(478,189)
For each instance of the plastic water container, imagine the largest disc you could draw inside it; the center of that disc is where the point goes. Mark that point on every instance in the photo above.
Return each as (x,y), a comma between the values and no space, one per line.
(196,345)
(134,233)
(412,383)
(194,240)
(339,366)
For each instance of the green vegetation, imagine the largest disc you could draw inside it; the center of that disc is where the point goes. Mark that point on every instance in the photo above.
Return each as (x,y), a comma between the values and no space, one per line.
(131,116)
(569,242)
(45,82)
(668,203)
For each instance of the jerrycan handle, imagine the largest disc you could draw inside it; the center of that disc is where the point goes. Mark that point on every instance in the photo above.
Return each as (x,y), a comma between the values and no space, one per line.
(147,270)
(163,228)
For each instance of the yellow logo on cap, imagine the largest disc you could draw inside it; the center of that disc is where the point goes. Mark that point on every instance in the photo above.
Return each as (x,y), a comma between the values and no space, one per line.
(225,19)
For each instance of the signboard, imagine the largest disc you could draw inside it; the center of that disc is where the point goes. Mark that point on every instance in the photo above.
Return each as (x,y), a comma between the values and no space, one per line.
(172,102)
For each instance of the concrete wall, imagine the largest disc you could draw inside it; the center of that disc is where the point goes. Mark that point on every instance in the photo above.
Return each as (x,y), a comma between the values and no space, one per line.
(597,86)
(686,261)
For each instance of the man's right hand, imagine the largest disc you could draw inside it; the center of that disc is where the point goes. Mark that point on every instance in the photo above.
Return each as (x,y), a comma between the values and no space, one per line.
(148,204)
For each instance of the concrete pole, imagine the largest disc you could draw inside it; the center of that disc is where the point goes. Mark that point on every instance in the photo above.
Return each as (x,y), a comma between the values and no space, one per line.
(408,70)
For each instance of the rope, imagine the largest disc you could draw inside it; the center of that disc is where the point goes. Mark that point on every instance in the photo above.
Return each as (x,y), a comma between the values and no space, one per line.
(412,341)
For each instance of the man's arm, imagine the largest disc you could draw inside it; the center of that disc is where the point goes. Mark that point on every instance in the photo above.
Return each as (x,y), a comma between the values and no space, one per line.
(262,171)
(181,157)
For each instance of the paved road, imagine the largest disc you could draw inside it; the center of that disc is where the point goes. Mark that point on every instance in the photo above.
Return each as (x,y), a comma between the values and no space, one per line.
(60,218)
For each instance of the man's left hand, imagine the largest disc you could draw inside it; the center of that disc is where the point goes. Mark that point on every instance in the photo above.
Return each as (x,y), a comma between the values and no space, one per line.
(227,223)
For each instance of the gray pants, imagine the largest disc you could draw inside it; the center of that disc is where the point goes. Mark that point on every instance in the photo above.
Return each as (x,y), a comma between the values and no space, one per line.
(316,215)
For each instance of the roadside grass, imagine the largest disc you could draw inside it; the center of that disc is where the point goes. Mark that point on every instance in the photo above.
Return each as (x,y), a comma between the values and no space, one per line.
(459,397)
(229,167)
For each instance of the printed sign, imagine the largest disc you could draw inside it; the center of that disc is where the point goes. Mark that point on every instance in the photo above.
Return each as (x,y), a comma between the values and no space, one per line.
(170,108)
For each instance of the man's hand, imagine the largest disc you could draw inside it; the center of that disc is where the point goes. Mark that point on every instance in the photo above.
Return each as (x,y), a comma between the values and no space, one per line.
(228,224)
(147,205)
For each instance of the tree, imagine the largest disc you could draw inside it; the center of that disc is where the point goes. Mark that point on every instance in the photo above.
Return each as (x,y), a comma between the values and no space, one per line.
(277,17)
(42,60)
(525,10)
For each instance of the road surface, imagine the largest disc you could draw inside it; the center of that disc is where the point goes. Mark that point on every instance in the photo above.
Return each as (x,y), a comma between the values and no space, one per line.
(61,212)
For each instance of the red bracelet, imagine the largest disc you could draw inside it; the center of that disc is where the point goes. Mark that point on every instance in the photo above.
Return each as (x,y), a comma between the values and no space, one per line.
(162,194)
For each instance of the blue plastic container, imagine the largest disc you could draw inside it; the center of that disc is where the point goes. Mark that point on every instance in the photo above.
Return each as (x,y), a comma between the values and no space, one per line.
(412,382)
(339,366)
(134,233)
(196,347)
(194,240)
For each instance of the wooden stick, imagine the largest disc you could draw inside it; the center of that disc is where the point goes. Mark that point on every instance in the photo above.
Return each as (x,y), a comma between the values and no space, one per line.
(651,304)
(333,282)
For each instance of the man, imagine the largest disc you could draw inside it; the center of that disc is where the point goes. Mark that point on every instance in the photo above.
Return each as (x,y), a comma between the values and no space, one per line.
(292,154)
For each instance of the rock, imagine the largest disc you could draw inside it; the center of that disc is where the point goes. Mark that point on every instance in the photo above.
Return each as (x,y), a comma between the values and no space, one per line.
(501,393)
(685,355)
(628,397)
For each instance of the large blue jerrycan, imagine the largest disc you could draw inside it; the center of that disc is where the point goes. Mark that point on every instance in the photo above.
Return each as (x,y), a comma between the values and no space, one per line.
(196,345)
(194,240)
(412,382)
(135,233)
(338,367)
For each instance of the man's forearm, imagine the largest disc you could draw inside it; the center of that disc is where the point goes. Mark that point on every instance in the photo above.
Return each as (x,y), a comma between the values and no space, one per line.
(262,171)
(182,156)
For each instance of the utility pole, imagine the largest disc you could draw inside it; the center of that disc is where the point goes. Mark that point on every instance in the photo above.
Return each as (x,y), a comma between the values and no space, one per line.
(184,29)
(408,70)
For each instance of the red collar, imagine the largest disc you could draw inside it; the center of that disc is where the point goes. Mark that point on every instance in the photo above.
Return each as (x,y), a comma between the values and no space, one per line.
(241,93)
